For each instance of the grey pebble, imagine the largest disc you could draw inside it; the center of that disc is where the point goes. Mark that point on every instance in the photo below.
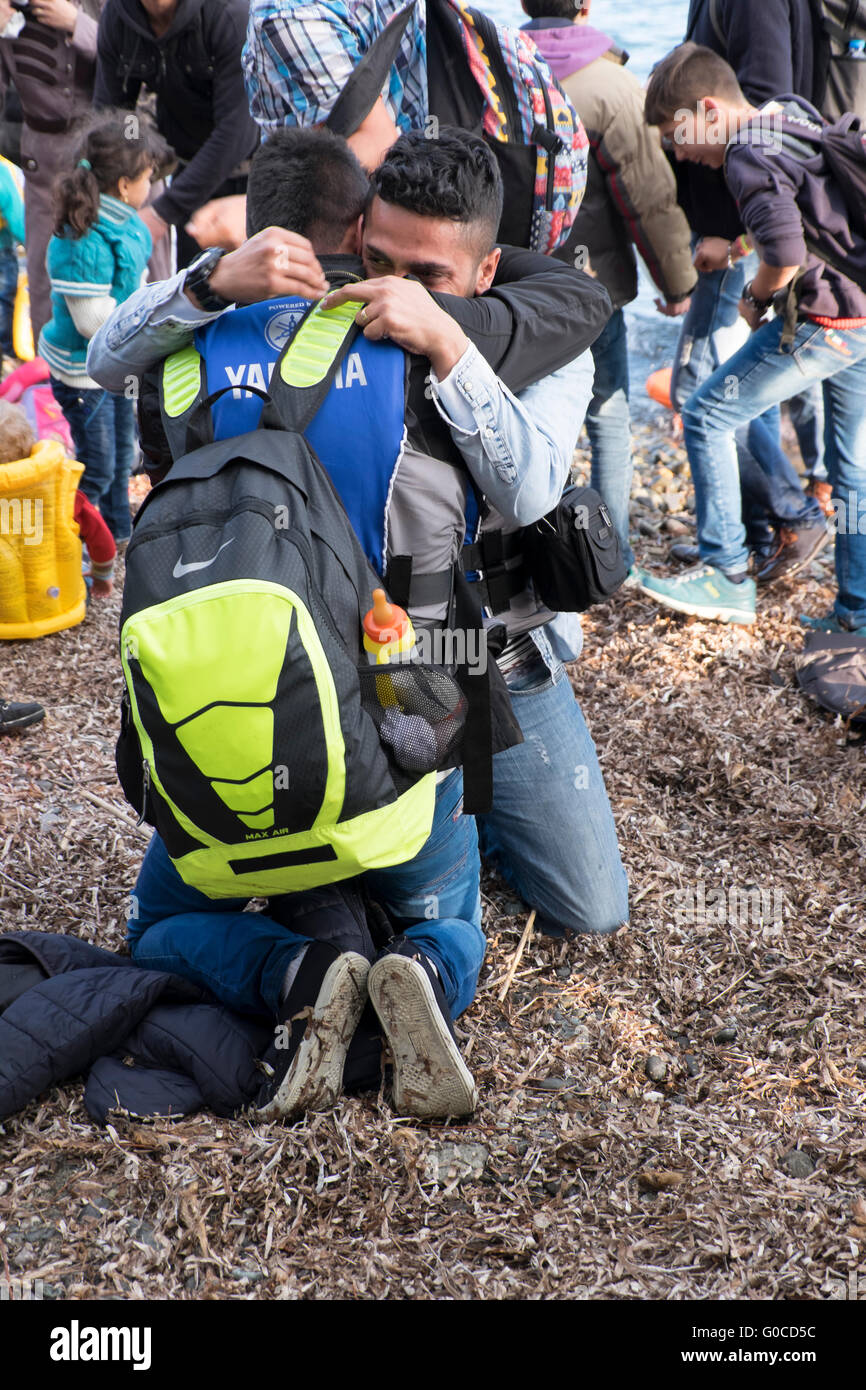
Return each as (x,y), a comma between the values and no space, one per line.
(798,1164)
(726,1035)
(693,1066)
(513,907)
(655,1068)
(144,1234)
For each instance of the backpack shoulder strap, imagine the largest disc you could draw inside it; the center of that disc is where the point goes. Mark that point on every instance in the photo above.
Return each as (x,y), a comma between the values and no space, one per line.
(308,364)
(182,385)
(300,382)
(841,30)
(362,89)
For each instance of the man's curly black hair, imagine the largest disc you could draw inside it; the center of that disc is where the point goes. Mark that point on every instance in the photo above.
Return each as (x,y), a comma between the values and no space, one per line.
(454,176)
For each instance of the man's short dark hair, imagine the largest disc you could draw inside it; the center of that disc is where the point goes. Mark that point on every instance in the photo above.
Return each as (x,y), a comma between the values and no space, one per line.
(552,9)
(683,78)
(306,181)
(454,176)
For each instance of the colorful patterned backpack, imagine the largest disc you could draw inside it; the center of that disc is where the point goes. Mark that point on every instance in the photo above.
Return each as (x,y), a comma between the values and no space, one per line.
(491,80)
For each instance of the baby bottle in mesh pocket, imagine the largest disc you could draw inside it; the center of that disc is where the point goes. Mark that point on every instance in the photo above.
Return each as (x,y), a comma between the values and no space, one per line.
(388,634)
(418,710)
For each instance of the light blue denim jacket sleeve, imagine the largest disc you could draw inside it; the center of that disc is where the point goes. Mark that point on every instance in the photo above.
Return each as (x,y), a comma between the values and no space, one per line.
(155,321)
(519,451)
(517,448)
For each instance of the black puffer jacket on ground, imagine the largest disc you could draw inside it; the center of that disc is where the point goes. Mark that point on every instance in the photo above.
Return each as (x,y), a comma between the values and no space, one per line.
(93,1011)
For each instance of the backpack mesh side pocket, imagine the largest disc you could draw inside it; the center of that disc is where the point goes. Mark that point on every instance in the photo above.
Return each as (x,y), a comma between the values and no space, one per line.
(419,712)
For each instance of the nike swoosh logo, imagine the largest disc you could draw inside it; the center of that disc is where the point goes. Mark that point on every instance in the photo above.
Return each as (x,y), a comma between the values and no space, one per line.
(181,569)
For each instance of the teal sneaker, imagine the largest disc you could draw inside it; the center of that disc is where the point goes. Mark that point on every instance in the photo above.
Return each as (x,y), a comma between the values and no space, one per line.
(705,592)
(830,624)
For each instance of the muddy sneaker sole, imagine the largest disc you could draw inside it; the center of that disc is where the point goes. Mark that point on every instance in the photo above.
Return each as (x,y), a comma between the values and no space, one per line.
(431,1079)
(315,1075)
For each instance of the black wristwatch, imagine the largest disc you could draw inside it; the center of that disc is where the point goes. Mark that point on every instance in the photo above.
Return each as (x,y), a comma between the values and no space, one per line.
(762,305)
(197,279)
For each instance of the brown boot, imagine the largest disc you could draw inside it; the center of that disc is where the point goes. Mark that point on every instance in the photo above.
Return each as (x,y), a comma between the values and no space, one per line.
(794,550)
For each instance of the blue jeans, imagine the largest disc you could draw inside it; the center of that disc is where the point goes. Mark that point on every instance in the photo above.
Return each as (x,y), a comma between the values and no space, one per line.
(712,332)
(8,291)
(103,432)
(807,417)
(771,498)
(551,833)
(242,957)
(768,374)
(115,502)
(609,428)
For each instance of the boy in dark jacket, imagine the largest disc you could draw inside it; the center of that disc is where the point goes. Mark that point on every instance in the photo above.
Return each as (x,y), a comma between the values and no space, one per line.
(189,53)
(819,335)
(769,46)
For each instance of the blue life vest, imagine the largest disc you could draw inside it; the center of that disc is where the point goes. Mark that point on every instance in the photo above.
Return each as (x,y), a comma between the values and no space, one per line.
(402,503)
(358,432)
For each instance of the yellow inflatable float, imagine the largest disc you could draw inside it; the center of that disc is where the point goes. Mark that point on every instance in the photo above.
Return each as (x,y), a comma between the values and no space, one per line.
(41,586)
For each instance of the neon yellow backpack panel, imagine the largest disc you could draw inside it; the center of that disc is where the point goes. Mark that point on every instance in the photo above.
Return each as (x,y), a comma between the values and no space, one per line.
(41,586)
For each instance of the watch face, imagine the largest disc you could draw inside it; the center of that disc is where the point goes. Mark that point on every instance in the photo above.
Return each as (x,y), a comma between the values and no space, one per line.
(205,261)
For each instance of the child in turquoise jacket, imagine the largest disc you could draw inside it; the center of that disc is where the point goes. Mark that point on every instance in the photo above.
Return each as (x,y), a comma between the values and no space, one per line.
(95,260)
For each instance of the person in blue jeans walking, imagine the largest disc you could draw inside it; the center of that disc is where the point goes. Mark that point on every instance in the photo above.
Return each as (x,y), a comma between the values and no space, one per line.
(96,258)
(776,171)
(630,202)
(770,48)
(775,506)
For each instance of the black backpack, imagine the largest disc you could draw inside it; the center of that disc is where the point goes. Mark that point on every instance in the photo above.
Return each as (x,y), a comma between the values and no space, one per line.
(255,735)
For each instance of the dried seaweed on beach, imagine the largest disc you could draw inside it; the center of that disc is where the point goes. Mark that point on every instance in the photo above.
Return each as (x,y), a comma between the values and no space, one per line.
(674,1112)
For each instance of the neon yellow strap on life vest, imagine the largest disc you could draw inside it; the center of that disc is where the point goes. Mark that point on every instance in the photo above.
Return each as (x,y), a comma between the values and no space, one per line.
(181,380)
(316,344)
